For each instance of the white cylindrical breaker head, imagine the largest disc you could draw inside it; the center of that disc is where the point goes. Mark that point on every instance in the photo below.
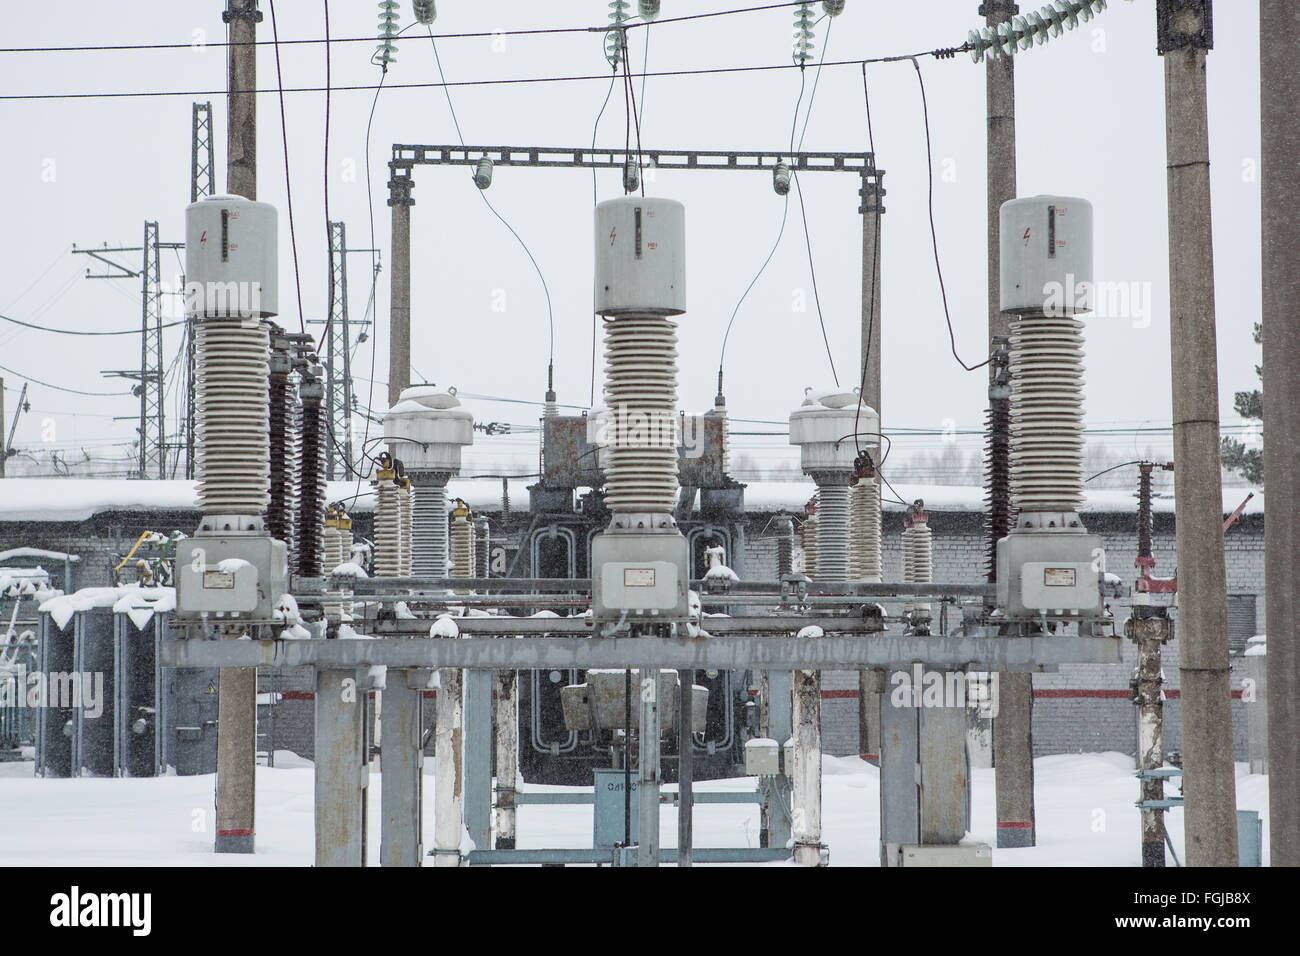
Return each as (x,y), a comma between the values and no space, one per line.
(231,259)
(1046,255)
(427,428)
(640,257)
(824,427)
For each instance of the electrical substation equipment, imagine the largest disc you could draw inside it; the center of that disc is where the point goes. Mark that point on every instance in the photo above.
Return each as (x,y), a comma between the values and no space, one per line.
(781,179)
(1023,32)
(427,429)
(1049,567)
(804,33)
(232,569)
(425,11)
(640,563)
(388,519)
(829,429)
(386,52)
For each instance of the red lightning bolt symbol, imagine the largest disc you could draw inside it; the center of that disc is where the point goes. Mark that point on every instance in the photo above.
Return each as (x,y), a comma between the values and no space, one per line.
(611,235)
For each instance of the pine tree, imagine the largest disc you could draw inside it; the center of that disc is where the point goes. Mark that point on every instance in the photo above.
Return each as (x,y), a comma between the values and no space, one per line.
(1247,462)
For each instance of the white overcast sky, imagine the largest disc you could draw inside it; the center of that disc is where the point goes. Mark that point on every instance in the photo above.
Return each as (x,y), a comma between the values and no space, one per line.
(1090,111)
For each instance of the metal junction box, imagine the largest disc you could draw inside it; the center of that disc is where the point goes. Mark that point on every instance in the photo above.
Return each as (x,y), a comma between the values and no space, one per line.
(639,577)
(762,757)
(600,702)
(1054,572)
(610,812)
(237,577)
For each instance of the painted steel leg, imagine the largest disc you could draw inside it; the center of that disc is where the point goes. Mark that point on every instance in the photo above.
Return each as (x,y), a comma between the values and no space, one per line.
(685,771)
(507,683)
(478,757)
(776,722)
(649,775)
(900,811)
(403,762)
(340,763)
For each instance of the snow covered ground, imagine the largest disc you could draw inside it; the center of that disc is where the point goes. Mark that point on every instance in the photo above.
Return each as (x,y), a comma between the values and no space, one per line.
(1085,802)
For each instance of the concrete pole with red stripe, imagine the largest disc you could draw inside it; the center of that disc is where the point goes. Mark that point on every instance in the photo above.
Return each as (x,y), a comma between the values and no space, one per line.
(237,687)
(1013,753)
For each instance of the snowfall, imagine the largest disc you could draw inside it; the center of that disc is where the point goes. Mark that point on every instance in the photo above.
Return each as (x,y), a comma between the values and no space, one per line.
(1085,812)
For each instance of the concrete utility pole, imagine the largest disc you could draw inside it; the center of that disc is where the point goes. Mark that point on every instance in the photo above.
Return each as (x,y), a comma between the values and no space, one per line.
(1279,38)
(237,688)
(872,210)
(1185,35)
(399,309)
(1013,750)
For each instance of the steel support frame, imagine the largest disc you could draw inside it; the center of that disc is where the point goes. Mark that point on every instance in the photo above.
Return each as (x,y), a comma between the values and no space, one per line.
(407,156)
(338,359)
(720,652)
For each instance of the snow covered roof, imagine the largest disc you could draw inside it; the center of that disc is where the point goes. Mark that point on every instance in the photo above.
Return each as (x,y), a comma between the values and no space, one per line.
(76,499)
(793,495)
(14,553)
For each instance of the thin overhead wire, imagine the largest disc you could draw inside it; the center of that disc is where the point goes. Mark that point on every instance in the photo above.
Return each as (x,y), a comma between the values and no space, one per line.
(934,235)
(288,188)
(44,328)
(871,308)
(31,285)
(1107,471)
(595,199)
(785,213)
(505,81)
(374,346)
(550,314)
(329,244)
(803,212)
(544,31)
(62,388)
(633,119)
